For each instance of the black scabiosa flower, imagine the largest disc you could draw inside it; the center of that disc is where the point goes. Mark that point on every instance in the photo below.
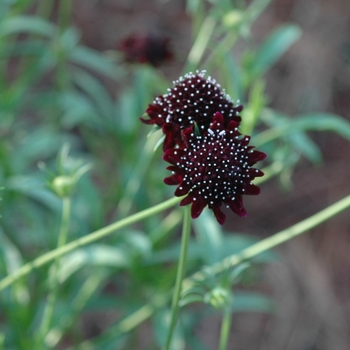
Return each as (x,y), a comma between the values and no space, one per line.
(146,49)
(214,168)
(193,100)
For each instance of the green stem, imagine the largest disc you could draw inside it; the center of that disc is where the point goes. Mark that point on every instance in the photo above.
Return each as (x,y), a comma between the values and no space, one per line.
(200,44)
(186,230)
(225,328)
(216,55)
(80,242)
(62,76)
(277,239)
(245,254)
(45,8)
(53,282)
(65,14)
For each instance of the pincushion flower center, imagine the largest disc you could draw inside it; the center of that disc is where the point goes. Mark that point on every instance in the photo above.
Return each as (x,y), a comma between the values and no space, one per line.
(213,165)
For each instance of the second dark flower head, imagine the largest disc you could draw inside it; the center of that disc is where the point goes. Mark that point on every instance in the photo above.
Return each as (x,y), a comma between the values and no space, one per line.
(146,49)
(192,101)
(214,169)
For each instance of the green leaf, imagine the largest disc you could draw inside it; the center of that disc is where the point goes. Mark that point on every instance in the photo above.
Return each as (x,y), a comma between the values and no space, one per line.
(209,236)
(12,260)
(193,6)
(36,144)
(127,112)
(161,321)
(232,76)
(93,255)
(251,302)
(275,46)
(283,126)
(237,271)
(323,122)
(69,39)
(251,113)
(27,24)
(26,48)
(95,90)
(77,109)
(32,187)
(139,243)
(89,204)
(10,254)
(255,8)
(306,146)
(234,243)
(94,60)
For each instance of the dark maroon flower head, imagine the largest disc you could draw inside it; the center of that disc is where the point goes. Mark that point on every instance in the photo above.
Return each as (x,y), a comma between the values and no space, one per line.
(192,101)
(214,168)
(145,48)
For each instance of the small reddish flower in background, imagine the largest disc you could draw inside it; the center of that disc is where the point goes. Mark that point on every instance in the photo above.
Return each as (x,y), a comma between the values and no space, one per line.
(214,169)
(193,100)
(145,49)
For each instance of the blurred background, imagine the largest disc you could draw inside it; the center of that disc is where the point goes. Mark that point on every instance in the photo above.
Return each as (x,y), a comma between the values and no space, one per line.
(310,281)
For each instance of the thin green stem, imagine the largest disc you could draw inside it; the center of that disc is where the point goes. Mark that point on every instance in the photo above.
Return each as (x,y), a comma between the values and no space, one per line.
(45,8)
(145,312)
(53,282)
(224,46)
(65,14)
(245,254)
(186,230)
(63,233)
(80,242)
(62,76)
(277,239)
(225,328)
(200,44)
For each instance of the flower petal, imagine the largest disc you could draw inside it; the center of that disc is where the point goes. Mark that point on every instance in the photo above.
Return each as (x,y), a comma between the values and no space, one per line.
(198,204)
(172,155)
(220,216)
(187,200)
(237,206)
(256,156)
(252,189)
(147,121)
(173,179)
(182,189)
(218,122)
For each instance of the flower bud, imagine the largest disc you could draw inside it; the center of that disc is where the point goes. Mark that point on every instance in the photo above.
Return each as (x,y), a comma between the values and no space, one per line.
(218,298)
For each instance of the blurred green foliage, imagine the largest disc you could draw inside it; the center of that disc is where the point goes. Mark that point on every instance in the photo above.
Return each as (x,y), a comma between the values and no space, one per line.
(56,91)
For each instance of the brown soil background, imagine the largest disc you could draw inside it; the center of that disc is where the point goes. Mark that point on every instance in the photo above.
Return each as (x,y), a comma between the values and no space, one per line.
(311,282)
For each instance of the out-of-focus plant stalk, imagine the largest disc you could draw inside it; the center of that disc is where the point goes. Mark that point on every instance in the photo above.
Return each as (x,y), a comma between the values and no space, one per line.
(186,231)
(44,8)
(283,236)
(277,239)
(80,242)
(225,328)
(53,281)
(65,14)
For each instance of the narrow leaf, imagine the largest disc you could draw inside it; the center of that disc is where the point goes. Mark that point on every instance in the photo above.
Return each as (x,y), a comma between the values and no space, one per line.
(275,46)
